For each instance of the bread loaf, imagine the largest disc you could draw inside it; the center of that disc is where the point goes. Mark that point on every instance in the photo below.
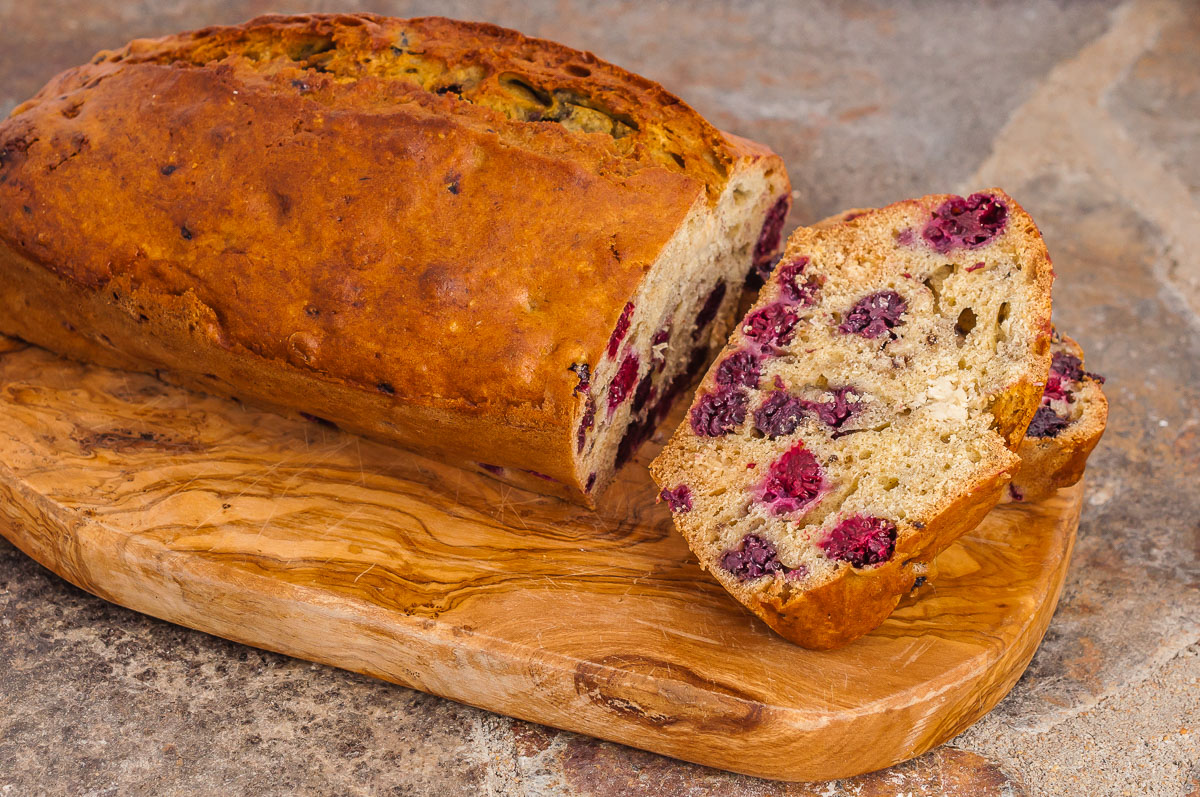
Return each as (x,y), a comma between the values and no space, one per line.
(487,248)
(865,412)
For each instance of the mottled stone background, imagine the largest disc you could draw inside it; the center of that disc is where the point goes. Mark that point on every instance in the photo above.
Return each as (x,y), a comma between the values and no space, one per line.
(1088,112)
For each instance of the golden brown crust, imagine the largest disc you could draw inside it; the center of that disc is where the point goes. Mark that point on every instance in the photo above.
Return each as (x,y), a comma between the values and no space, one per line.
(360,207)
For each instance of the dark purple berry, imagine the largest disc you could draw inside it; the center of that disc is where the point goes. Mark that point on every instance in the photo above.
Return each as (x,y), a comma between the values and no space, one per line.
(1047,423)
(768,239)
(642,394)
(794,482)
(1067,365)
(591,482)
(622,328)
(679,499)
(794,287)
(773,325)
(635,435)
(835,411)
(588,421)
(669,394)
(755,558)
(584,375)
(718,413)
(875,314)
(740,368)
(709,311)
(970,222)
(861,541)
(623,382)
(779,415)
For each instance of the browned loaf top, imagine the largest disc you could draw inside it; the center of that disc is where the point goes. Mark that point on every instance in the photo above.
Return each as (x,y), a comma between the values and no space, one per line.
(435,214)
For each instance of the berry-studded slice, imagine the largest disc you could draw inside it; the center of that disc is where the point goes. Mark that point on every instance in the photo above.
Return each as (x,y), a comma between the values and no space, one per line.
(1065,428)
(865,411)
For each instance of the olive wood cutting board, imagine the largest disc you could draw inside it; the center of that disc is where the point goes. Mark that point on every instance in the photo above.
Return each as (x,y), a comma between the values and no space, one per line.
(290,536)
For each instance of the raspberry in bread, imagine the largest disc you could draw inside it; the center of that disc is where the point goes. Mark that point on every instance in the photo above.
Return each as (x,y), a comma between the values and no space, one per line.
(1065,429)
(864,413)
(488,248)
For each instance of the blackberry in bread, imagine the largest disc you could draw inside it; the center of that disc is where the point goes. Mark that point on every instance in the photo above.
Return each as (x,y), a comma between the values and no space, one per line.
(1065,428)
(865,412)
(488,248)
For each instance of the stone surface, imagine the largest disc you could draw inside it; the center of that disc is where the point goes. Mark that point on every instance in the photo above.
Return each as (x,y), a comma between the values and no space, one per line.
(1085,111)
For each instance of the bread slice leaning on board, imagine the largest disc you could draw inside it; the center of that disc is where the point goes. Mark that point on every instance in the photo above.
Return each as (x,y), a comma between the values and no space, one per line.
(865,413)
(1067,425)
(487,248)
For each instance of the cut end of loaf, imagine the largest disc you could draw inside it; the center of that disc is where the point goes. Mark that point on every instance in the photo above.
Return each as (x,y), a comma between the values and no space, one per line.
(874,386)
(666,334)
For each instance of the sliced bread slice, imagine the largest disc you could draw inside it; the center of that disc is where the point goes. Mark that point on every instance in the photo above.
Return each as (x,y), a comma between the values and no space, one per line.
(864,414)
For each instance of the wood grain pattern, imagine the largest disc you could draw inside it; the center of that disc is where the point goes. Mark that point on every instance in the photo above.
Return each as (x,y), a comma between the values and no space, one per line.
(291,536)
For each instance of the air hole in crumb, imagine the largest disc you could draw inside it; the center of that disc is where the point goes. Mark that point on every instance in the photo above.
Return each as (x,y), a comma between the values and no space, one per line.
(579,71)
(889,483)
(1001,317)
(934,283)
(966,322)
